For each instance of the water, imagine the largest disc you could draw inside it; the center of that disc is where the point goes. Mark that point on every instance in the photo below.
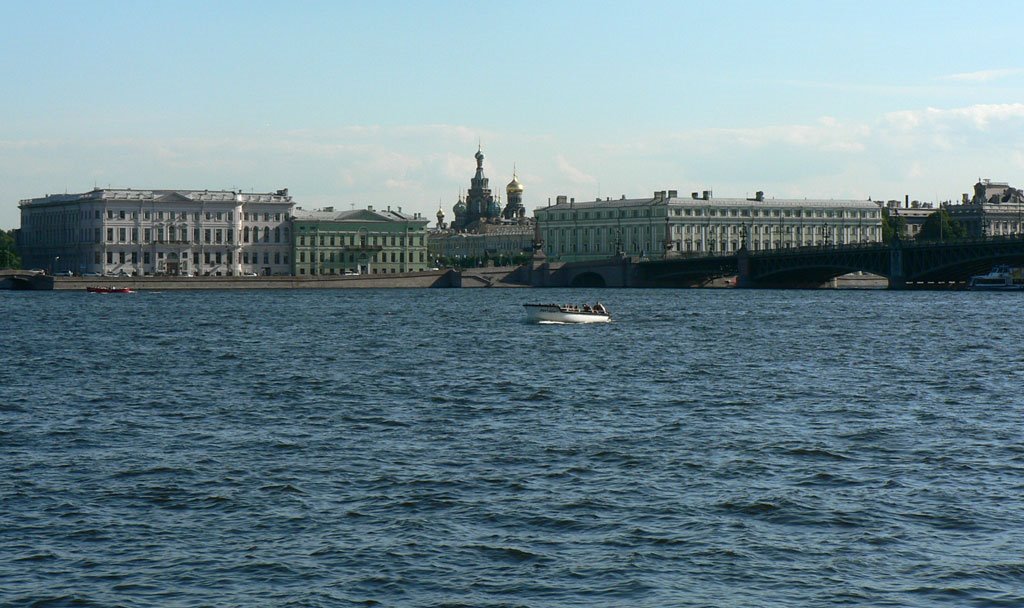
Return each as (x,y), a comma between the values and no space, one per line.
(426,448)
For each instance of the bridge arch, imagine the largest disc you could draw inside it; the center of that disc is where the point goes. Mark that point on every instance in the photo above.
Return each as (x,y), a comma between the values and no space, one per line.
(588,279)
(811,275)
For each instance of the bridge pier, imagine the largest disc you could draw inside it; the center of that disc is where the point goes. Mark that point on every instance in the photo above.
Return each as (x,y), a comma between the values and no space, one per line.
(897,277)
(743,279)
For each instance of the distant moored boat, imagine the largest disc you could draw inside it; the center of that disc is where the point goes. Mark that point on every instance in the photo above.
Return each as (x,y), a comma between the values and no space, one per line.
(1000,278)
(109,289)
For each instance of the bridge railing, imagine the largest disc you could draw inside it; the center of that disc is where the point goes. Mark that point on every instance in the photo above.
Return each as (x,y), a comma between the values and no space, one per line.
(875,245)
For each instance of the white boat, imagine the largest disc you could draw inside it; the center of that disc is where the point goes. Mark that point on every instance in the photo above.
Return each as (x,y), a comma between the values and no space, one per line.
(566,313)
(1000,278)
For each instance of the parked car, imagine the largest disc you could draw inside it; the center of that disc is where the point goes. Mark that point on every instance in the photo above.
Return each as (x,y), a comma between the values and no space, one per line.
(63,273)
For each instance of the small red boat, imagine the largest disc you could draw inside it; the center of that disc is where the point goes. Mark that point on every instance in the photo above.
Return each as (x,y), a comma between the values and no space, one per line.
(109,289)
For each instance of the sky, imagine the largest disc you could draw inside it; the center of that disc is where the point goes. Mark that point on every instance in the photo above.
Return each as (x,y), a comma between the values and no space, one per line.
(385,103)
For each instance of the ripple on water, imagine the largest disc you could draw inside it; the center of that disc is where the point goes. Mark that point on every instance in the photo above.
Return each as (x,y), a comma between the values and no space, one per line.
(708,448)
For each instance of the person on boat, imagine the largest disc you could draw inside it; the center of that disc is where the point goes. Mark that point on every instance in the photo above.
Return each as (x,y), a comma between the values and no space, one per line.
(586,308)
(599,308)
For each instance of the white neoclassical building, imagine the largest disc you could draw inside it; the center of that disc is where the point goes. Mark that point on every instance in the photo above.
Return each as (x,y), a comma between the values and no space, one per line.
(701,225)
(172,232)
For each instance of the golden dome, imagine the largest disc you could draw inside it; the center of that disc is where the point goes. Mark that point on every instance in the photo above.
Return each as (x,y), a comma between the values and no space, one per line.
(515,185)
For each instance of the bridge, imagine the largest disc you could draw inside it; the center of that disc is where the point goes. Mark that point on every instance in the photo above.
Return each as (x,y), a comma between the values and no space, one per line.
(21,279)
(906,265)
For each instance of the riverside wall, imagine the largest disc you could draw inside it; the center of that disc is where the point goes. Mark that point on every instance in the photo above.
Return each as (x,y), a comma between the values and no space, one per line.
(481,277)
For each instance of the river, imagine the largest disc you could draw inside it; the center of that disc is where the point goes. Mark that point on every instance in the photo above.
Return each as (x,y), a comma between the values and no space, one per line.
(428,448)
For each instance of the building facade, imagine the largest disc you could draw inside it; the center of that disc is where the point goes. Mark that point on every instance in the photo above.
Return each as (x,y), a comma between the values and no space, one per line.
(914,215)
(665,225)
(158,232)
(359,241)
(995,209)
(498,242)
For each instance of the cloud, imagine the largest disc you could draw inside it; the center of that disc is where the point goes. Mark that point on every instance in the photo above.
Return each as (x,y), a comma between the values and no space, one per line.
(983,75)
(827,134)
(929,152)
(571,173)
(979,116)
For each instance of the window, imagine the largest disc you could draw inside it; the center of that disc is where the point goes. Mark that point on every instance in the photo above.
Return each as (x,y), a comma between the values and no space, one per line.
(135,235)
(218,257)
(277,257)
(145,257)
(110,257)
(110,235)
(219,236)
(206,257)
(231,235)
(206,235)
(120,257)
(135,257)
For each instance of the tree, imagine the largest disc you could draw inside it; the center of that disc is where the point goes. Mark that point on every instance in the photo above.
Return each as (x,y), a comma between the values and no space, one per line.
(8,254)
(892,227)
(940,227)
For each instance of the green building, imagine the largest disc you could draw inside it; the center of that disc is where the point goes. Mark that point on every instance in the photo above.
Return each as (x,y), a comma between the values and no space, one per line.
(360,241)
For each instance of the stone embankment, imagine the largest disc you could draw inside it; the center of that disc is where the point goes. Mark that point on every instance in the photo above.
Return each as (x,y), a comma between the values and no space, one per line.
(481,277)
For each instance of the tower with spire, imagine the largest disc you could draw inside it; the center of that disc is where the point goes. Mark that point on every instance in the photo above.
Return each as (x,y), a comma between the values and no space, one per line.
(514,209)
(479,204)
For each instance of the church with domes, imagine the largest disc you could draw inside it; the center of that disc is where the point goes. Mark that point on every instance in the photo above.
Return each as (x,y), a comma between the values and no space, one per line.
(481,207)
(482,228)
